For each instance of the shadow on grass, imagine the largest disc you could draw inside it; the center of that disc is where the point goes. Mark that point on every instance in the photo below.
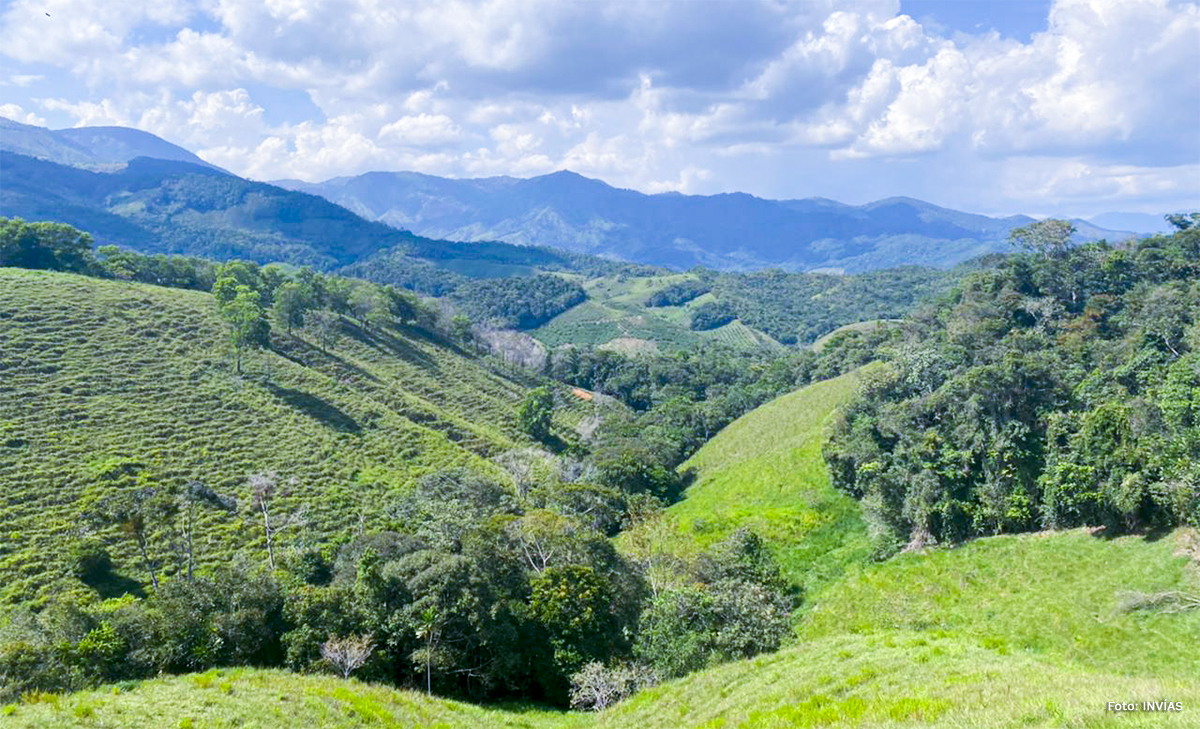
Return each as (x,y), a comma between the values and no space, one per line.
(316,408)
(1149,534)
(110,584)
(381,339)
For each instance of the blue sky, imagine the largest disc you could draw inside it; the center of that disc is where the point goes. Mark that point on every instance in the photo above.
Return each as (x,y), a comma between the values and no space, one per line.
(1063,107)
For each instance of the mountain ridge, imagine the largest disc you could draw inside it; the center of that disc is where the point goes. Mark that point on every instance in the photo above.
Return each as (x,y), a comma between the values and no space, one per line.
(728,231)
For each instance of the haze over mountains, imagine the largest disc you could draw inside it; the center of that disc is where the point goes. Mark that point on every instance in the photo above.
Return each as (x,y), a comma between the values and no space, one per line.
(564,210)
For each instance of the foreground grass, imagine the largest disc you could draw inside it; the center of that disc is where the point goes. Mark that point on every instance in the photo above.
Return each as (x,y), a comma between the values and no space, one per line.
(1055,596)
(892,679)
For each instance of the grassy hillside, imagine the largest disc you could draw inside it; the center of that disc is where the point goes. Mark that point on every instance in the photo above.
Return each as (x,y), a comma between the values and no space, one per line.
(1056,596)
(890,679)
(100,378)
(616,313)
(765,471)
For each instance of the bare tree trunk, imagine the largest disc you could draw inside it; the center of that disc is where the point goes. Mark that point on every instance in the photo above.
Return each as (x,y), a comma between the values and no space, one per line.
(141,541)
(267,529)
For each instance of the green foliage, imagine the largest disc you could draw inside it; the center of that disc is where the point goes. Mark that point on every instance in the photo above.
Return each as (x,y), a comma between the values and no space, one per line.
(534,413)
(518,302)
(574,606)
(1048,237)
(243,312)
(712,315)
(732,603)
(48,246)
(678,293)
(1057,391)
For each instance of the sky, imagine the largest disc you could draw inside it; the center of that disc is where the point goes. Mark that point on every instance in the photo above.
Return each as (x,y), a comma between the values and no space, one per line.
(1044,107)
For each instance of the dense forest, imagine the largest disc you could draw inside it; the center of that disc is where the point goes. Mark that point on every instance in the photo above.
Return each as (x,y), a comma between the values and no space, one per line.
(1061,388)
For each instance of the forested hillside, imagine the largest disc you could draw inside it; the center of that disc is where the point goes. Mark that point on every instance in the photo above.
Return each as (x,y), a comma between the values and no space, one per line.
(1058,390)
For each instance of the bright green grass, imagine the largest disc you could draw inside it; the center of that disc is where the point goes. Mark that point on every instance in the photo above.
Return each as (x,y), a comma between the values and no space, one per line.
(93,369)
(897,679)
(765,471)
(1054,596)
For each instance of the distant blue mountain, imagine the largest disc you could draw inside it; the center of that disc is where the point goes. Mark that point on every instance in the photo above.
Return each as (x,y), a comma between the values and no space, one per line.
(732,231)
(90,146)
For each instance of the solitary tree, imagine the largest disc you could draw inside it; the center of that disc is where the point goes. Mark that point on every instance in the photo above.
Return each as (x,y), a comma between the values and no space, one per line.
(534,413)
(264,487)
(247,321)
(347,654)
(1049,237)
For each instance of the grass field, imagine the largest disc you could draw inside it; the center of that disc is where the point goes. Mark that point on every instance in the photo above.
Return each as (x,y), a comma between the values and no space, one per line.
(96,374)
(765,471)
(616,312)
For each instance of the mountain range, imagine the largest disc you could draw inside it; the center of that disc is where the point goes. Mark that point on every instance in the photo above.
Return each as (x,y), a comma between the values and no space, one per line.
(132,187)
(733,231)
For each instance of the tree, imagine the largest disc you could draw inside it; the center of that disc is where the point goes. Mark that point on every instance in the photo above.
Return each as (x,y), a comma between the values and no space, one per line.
(51,246)
(347,654)
(136,511)
(263,490)
(1049,237)
(247,321)
(1182,222)
(534,413)
(198,495)
(292,301)
(369,305)
(324,325)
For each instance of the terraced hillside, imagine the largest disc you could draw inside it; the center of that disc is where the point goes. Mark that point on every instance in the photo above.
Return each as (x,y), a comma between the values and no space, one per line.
(616,314)
(100,380)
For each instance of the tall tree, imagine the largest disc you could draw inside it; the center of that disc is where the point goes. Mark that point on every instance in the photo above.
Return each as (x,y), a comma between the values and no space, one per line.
(248,326)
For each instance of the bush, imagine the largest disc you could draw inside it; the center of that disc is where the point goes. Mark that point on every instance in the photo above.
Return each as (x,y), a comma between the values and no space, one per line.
(90,561)
(596,687)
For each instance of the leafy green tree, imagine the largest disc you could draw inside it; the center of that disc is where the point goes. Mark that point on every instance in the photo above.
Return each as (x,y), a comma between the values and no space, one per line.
(292,301)
(248,326)
(533,414)
(1049,237)
(51,246)
(574,605)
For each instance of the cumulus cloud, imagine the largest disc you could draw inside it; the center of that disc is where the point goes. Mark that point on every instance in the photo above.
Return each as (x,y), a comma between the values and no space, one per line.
(781,97)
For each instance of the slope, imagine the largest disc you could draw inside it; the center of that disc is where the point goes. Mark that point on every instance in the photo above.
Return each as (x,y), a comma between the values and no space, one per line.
(890,676)
(764,471)
(89,146)
(100,379)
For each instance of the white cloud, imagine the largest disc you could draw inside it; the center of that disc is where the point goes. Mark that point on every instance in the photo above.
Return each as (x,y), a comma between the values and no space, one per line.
(782,97)
(16,113)
(422,130)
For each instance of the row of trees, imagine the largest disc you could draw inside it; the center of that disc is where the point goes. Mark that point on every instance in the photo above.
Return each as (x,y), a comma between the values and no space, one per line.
(467,587)
(1059,389)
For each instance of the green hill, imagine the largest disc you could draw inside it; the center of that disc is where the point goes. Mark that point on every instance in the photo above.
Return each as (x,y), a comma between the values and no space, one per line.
(106,379)
(765,471)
